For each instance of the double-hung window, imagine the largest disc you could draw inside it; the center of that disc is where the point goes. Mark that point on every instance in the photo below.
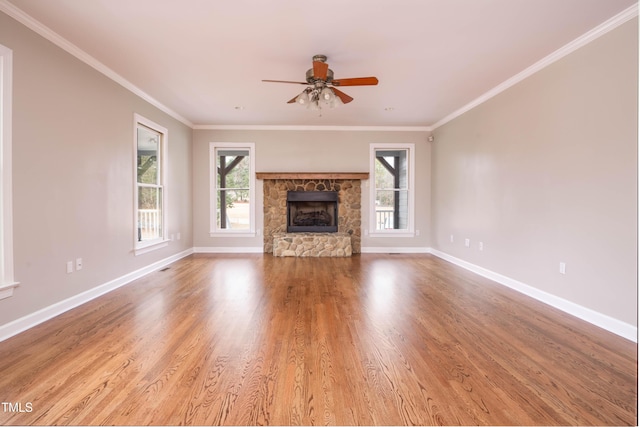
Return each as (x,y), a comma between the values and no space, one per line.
(150,188)
(392,190)
(232,189)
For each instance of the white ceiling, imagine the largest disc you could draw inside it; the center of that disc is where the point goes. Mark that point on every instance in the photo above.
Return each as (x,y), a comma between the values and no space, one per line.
(204,60)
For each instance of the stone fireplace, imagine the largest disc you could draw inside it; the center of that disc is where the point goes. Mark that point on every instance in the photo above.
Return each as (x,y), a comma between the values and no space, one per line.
(347,188)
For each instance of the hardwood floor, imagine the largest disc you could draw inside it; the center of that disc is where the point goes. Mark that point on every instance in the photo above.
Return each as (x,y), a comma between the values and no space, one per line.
(372,339)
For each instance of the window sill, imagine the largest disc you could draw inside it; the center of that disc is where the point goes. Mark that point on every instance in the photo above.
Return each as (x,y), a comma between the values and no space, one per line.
(402,233)
(7,290)
(149,247)
(232,234)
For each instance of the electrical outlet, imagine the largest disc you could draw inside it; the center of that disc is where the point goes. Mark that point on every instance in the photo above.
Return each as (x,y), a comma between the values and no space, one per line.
(467,243)
(451,238)
(69,267)
(481,246)
(563,268)
(417,232)
(78,264)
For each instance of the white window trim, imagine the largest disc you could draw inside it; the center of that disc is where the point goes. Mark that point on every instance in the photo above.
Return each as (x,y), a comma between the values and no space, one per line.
(214,231)
(140,248)
(410,231)
(8,282)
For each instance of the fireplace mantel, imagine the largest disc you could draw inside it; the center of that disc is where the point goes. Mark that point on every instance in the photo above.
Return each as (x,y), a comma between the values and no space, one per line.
(312,175)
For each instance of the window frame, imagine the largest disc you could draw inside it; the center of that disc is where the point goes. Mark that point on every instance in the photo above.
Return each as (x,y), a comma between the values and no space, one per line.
(7,281)
(214,231)
(410,230)
(142,247)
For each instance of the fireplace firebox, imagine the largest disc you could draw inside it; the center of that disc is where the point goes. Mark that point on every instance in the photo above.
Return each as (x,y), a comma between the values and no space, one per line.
(312,211)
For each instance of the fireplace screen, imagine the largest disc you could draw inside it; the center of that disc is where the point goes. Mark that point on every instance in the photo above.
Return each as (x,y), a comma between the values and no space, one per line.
(312,211)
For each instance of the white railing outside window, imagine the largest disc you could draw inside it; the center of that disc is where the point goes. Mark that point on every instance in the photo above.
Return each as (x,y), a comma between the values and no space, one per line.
(149,224)
(384,218)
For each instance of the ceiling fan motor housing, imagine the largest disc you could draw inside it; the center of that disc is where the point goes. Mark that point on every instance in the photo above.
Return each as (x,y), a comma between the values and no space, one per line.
(312,80)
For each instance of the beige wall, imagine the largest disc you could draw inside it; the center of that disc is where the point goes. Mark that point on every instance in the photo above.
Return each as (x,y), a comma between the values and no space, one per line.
(310,151)
(546,172)
(73,175)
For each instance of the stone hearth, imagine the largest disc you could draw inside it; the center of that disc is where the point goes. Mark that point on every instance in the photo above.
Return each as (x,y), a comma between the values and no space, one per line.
(275,206)
(312,244)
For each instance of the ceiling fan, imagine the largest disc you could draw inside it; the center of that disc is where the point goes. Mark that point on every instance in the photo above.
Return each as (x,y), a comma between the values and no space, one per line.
(321,86)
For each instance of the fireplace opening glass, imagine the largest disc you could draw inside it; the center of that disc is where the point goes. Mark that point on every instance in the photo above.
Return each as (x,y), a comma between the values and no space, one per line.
(312,211)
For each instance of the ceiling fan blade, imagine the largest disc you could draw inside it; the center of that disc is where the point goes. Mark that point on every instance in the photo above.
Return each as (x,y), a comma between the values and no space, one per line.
(285,81)
(357,81)
(320,70)
(293,100)
(343,96)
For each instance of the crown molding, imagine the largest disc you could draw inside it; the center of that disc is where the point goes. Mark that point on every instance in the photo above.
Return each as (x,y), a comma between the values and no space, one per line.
(316,128)
(74,50)
(46,32)
(602,29)
(41,29)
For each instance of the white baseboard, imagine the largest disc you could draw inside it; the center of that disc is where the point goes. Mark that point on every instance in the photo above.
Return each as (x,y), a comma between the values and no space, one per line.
(603,321)
(608,323)
(260,249)
(29,321)
(229,250)
(394,250)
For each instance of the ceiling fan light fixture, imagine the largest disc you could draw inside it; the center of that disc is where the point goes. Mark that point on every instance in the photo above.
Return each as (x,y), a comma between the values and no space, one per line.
(314,106)
(303,98)
(328,97)
(314,98)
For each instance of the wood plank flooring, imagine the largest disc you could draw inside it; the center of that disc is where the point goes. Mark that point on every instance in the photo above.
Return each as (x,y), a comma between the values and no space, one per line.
(372,339)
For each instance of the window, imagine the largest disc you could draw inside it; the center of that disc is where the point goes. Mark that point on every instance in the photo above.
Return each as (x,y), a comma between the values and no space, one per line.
(7,283)
(392,192)
(150,191)
(232,189)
